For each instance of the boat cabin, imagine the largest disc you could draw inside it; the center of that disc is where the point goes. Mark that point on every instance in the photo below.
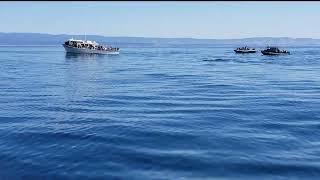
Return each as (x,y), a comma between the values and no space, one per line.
(80,43)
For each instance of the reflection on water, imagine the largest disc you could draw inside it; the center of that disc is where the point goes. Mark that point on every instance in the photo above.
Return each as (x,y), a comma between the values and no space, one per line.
(82,56)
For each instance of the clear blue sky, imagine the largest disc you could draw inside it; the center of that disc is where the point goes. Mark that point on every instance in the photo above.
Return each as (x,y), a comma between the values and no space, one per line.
(164,19)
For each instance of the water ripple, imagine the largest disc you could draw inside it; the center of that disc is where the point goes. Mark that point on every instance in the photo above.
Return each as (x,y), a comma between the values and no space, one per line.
(159,113)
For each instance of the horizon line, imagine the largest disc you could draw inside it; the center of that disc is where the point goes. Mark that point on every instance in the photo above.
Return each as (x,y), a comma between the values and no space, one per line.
(161,37)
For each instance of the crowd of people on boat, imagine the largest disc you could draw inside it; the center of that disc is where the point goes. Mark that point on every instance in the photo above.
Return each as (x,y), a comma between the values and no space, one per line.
(276,50)
(244,48)
(270,50)
(90,46)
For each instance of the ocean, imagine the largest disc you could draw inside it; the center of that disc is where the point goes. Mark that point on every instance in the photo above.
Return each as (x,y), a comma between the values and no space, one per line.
(159,113)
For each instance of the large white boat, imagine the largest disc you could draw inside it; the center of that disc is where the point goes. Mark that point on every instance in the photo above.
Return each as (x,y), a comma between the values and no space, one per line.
(88,47)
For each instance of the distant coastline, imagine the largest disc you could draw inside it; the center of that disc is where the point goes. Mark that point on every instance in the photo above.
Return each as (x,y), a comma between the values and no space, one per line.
(41,39)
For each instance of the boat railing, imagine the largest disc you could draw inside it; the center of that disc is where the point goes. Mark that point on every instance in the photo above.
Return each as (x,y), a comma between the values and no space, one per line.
(92,47)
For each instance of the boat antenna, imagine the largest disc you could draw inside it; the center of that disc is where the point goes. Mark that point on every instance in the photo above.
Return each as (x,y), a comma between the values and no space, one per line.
(85,36)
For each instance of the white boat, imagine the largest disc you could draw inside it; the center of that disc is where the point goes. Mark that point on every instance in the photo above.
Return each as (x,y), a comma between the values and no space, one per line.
(245,50)
(87,47)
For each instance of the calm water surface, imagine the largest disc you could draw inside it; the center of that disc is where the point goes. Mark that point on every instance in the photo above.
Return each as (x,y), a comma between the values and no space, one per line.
(159,113)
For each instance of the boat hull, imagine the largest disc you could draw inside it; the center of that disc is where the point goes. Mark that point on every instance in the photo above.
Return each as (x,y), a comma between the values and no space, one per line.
(245,51)
(274,53)
(70,49)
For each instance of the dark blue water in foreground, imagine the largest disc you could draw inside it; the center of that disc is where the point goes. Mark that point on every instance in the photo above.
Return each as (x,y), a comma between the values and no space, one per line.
(159,113)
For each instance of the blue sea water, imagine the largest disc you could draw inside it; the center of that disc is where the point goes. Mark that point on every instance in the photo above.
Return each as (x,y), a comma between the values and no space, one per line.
(159,113)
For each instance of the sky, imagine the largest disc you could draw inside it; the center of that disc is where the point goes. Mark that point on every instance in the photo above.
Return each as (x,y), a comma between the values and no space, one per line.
(203,20)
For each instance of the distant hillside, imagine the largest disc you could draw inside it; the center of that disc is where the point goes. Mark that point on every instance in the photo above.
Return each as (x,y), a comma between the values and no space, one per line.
(49,39)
